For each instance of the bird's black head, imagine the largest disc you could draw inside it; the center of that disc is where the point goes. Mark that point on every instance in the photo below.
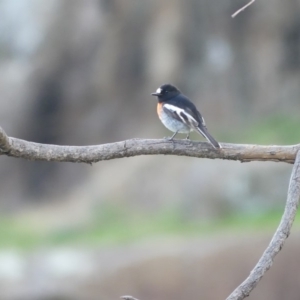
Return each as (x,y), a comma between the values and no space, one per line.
(166,91)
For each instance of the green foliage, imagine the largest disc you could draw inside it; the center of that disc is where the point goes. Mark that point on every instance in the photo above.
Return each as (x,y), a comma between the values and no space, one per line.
(116,225)
(112,226)
(276,129)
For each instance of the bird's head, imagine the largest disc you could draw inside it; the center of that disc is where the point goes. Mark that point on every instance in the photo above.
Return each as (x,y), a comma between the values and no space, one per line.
(166,91)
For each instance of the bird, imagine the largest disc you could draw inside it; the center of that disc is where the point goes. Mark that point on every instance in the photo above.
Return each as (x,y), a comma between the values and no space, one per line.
(179,114)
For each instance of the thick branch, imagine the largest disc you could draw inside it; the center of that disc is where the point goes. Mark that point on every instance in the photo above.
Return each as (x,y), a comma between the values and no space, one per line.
(90,154)
(276,244)
(4,142)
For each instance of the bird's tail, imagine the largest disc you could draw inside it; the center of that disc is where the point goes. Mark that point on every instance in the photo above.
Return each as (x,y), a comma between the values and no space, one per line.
(203,130)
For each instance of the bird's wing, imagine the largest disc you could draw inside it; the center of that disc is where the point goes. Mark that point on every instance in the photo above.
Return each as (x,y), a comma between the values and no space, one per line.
(181,115)
(201,118)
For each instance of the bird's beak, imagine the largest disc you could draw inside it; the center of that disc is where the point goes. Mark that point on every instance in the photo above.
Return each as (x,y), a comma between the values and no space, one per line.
(157,92)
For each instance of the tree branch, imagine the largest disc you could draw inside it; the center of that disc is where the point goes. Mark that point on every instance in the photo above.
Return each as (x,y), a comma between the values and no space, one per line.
(4,142)
(277,242)
(128,298)
(90,154)
(33,151)
(242,9)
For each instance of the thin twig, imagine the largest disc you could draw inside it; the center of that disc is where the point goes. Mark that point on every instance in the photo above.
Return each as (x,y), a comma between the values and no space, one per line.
(90,154)
(241,9)
(128,298)
(277,242)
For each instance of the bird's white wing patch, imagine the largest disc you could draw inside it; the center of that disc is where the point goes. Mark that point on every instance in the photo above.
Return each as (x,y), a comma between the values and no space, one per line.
(185,117)
(203,121)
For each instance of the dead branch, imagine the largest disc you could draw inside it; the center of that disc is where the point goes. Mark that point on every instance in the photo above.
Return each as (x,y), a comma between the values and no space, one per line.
(90,154)
(128,298)
(4,142)
(241,9)
(277,242)
(34,151)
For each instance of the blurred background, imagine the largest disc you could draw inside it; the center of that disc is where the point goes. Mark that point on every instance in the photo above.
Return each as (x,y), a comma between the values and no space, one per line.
(157,227)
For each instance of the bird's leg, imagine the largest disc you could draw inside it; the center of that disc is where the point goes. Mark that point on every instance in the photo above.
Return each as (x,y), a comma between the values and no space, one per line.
(171,138)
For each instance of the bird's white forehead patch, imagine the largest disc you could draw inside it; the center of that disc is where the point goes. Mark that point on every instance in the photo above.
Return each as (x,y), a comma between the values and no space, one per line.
(158,91)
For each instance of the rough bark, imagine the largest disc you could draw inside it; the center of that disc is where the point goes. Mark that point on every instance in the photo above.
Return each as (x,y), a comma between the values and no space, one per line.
(134,147)
(89,154)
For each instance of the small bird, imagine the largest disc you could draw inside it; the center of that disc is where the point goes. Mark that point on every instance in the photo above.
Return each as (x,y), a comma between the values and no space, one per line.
(179,114)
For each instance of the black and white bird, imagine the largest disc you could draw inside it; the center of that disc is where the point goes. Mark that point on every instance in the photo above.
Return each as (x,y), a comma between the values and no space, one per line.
(179,114)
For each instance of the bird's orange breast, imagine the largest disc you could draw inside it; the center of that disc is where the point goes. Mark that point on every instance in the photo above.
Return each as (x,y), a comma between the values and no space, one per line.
(159,109)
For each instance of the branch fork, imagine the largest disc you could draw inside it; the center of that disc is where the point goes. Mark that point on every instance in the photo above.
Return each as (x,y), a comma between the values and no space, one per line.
(89,154)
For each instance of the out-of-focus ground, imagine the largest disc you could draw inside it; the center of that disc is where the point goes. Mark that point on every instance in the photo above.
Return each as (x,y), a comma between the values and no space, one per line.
(81,72)
(209,268)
